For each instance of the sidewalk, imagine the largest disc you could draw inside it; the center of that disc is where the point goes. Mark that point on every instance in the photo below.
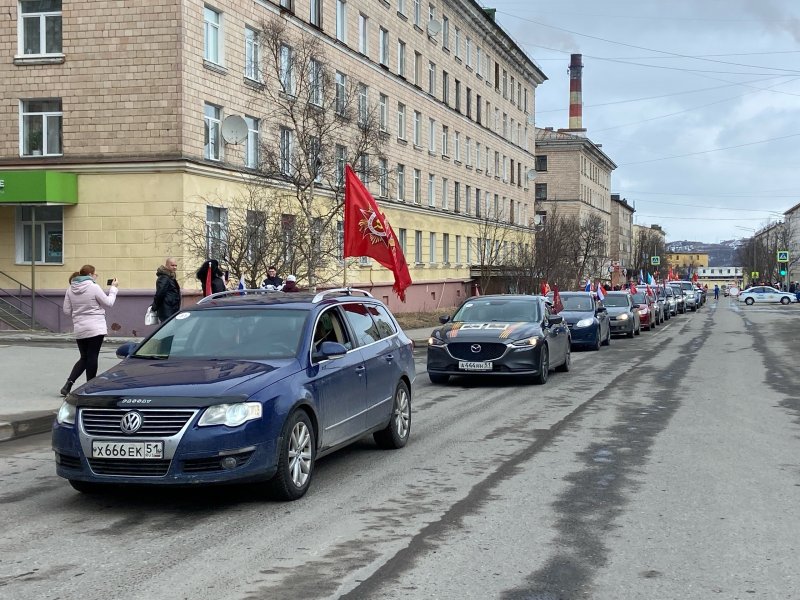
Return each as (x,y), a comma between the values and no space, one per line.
(36,364)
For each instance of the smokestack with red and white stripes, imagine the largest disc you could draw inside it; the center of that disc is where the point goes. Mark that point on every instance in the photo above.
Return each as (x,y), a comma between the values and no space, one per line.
(576,92)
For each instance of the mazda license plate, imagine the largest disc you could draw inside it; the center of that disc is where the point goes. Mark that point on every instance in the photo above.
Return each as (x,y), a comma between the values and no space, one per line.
(129,450)
(479,365)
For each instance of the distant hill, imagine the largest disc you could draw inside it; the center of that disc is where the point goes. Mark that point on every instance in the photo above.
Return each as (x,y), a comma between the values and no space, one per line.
(724,254)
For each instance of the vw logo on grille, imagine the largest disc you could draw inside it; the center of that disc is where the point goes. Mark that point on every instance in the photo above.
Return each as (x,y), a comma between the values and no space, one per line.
(131,422)
(476,348)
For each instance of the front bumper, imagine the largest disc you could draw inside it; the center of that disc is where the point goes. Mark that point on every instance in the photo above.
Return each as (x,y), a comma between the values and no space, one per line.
(584,336)
(514,361)
(622,326)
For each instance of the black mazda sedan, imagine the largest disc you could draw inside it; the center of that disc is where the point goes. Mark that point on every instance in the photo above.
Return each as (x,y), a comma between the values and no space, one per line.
(500,335)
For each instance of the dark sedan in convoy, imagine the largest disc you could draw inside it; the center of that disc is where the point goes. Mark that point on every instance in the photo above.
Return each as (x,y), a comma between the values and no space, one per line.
(623,313)
(500,335)
(587,320)
(251,387)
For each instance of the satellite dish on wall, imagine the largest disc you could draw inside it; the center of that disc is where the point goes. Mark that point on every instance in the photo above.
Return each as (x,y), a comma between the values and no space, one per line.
(531,174)
(234,129)
(434,27)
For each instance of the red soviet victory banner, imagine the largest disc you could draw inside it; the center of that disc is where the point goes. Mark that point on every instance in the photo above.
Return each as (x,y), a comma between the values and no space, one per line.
(367,233)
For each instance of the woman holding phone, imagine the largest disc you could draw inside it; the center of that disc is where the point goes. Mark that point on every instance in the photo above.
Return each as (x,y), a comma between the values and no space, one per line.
(84,303)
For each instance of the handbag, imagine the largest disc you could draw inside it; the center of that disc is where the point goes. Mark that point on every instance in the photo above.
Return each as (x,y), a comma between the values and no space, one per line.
(150,317)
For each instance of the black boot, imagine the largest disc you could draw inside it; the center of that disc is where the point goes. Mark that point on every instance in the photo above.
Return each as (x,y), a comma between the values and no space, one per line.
(67,387)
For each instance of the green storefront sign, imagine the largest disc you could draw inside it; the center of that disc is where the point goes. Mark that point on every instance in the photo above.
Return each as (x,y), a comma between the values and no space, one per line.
(38,187)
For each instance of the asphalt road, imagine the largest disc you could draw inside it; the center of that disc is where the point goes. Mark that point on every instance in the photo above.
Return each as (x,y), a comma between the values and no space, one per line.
(663,467)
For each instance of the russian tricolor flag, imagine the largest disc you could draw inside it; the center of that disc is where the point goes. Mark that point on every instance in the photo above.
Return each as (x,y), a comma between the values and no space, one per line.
(601,294)
(241,285)
(588,287)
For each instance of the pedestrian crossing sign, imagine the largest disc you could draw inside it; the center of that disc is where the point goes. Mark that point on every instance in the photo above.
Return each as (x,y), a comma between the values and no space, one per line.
(655,260)
(783,256)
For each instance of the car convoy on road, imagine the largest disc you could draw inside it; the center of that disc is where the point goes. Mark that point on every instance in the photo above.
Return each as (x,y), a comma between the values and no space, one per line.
(255,386)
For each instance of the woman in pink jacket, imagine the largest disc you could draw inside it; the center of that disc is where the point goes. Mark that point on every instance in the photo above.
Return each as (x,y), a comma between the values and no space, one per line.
(84,302)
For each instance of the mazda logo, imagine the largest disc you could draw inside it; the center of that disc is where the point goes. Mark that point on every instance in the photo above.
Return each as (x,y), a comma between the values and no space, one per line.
(131,422)
(475,348)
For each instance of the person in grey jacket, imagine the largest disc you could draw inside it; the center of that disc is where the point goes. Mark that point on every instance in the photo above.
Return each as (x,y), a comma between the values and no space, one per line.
(167,300)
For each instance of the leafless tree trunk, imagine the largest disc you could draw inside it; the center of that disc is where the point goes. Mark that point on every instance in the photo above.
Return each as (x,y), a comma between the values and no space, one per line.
(590,248)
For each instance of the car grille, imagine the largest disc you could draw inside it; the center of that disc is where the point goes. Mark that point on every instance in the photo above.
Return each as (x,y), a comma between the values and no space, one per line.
(489,351)
(136,468)
(68,462)
(214,463)
(155,421)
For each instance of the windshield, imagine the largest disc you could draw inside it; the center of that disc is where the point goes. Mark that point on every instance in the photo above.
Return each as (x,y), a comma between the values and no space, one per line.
(616,301)
(577,303)
(639,299)
(250,334)
(498,309)
(687,287)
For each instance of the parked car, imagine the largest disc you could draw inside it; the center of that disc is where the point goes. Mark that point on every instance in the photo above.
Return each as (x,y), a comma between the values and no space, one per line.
(252,386)
(689,295)
(681,301)
(623,313)
(500,335)
(587,320)
(765,293)
(648,313)
(661,299)
(672,301)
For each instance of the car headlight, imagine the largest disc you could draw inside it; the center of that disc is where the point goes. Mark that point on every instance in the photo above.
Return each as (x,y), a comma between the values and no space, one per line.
(623,317)
(435,341)
(66,414)
(584,322)
(526,343)
(231,415)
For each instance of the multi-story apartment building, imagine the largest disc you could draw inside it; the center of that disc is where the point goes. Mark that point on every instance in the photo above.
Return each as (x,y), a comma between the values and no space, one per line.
(621,238)
(685,260)
(792,220)
(112,114)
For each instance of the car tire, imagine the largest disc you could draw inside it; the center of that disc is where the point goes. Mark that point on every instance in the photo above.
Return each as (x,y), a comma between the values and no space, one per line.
(785,300)
(296,458)
(638,330)
(596,345)
(567,364)
(396,433)
(85,487)
(438,378)
(544,367)
(749,301)
(607,341)
(632,332)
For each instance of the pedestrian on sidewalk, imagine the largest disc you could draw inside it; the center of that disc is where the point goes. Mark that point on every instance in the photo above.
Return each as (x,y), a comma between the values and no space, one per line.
(210,276)
(272,279)
(716,291)
(167,300)
(84,302)
(290,285)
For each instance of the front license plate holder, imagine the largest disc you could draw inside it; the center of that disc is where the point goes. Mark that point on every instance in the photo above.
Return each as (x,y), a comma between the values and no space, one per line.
(475,365)
(122,450)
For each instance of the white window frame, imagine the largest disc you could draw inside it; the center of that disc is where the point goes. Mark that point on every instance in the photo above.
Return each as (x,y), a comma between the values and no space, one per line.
(213,45)
(252,54)
(432,247)
(315,13)
(49,233)
(47,120)
(286,143)
(468,150)
(251,151)
(457,146)
(416,183)
(418,246)
(315,82)
(458,249)
(216,230)
(341,153)
(341,92)
(383,178)
(431,78)
(445,194)
(446,248)
(457,42)
(287,69)
(401,182)
(363,34)
(417,128)
(401,58)
(212,146)
(341,20)
(457,196)
(431,134)
(417,12)
(363,104)
(401,121)
(42,17)
(383,46)
(431,190)
(383,112)
(445,33)
(445,140)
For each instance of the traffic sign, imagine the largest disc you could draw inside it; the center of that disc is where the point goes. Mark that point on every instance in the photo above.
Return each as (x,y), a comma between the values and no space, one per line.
(783,256)
(655,260)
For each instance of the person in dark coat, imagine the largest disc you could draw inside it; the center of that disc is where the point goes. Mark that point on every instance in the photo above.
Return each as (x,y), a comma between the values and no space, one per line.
(290,285)
(210,276)
(272,278)
(167,300)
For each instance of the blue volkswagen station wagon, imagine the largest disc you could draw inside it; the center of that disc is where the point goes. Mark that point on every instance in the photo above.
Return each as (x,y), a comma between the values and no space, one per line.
(248,386)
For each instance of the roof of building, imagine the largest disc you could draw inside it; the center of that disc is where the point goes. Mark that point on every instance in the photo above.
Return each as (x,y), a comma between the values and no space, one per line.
(548,137)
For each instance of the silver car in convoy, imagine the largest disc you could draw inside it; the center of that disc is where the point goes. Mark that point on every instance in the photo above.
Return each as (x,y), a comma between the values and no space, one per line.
(671,305)
(624,314)
(679,299)
(689,295)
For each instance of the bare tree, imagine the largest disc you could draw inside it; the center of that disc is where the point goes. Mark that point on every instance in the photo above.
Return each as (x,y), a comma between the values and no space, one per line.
(589,250)
(551,257)
(646,244)
(492,234)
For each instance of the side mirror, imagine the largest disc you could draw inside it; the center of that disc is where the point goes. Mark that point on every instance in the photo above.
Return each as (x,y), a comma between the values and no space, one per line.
(601,309)
(555,319)
(126,349)
(444,319)
(331,350)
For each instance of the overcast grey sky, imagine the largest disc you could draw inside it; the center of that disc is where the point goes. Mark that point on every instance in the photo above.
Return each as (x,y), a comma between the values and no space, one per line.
(718,80)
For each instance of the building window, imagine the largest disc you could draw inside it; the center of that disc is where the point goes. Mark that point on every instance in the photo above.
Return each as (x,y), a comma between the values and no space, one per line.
(417,247)
(401,6)
(363,34)
(468,151)
(417,186)
(341,20)
(541,191)
(541,163)
(401,238)
(458,96)
(383,45)
(401,183)
(383,111)
(212,119)
(458,249)
(315,158)
(341,92)
(47,235)
(417,13)
(362,105)
(445,33)
(417,69)
(287,69)
(216,231)
(478,61)
(286,151)
(445,87)
(315,13)
(478,109)
(251,147)
(469,52)
(417,128)
(457,148)
(40,27)
(363,167)
(446,248)
(432,247)
(445,194)
(431,190)
(383,178)
(252,54)
(40,127)
(213,35)
(467,201)
(288,4)
(340,162)
(431,79)
(456,196)
(401,120)
(315,82)
(401,58)
(445,138)
(457,42)
(431,135)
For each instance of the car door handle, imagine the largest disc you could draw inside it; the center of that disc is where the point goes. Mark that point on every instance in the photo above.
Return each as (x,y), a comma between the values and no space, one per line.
(360,369)
(389,357)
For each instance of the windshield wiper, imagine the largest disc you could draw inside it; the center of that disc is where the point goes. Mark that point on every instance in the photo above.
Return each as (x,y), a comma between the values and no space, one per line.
(150,356)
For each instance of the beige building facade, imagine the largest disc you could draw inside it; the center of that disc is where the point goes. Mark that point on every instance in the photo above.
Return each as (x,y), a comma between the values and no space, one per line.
(621,238)
(111,121)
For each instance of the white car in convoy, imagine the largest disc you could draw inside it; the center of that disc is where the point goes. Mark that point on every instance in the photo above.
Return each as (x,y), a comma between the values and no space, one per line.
(765,293)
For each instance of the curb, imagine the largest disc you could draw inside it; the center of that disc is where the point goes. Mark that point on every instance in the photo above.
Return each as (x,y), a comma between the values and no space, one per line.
(26,425)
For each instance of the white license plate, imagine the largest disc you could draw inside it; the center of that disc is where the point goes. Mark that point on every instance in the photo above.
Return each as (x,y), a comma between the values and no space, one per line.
(481,365)
(129,450)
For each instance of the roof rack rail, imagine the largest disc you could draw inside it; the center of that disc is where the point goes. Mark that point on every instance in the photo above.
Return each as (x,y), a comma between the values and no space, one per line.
(229,293)
(346,291)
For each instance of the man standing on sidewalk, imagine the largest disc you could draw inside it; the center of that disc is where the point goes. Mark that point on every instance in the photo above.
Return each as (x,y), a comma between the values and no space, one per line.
(167,300)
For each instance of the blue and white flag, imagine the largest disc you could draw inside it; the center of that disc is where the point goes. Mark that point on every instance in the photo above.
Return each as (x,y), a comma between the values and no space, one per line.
(588,287)
(241,285)
(650,279)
